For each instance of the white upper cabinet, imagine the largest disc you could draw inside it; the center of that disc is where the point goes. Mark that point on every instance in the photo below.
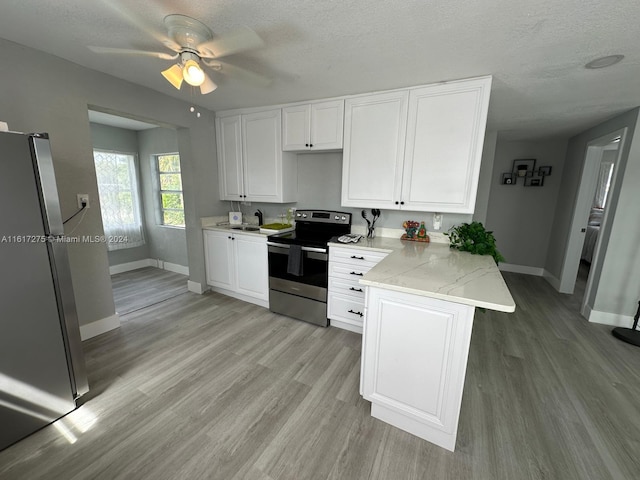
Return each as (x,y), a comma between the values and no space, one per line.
(313,127)
(443,151)
(425,160)
(251,163)
(374,136)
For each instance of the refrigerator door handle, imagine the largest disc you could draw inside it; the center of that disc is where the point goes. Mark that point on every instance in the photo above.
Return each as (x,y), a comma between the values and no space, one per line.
(45,176)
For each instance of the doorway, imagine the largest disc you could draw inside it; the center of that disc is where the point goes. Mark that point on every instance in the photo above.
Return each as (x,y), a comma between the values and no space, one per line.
(590,224)
(145,198)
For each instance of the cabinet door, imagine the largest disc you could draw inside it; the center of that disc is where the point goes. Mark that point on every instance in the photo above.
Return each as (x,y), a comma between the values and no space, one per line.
(374,138)
(230,172)
(414,362)
(219,261)
(262,155)
(296,127)
(251,266)
(445,136)
(327,125)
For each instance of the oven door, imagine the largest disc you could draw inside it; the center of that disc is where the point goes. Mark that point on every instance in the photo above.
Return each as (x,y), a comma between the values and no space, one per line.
(312,283)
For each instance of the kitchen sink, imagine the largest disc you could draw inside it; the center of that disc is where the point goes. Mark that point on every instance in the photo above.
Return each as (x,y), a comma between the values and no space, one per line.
(246,228)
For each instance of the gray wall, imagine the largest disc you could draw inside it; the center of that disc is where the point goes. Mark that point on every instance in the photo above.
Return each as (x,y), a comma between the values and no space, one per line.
(522,217)
(43,93)
(320,186)
(616,280)
(168,244)
(121,140)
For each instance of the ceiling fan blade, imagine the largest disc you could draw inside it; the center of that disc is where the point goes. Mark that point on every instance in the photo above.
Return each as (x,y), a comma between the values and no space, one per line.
(239,73)
(174,75)
(238,40)
(127,51)
(208,85)
(120,9)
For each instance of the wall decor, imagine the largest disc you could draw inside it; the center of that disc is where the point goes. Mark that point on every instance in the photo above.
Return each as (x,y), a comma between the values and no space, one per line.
(522,167)
(509,178)
(544,171)
(525,169)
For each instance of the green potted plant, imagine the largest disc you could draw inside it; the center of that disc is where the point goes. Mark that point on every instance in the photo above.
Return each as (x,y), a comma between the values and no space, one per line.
(475,239)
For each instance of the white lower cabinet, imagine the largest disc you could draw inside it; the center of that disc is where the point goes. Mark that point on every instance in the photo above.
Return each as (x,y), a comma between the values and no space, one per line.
(236,265)
(414,359)
(345,296)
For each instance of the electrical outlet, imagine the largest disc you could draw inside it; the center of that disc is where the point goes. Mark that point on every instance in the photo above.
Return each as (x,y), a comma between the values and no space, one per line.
(83,200)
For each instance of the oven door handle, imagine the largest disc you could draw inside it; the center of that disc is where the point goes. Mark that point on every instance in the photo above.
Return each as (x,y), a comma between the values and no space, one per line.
(304,249)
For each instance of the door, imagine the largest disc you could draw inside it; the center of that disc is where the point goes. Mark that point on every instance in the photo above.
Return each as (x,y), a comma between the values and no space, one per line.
(229,139)
(262,153)
(445,137)
(218,254)
(251,266)
(35,384)
(296,127)
(327,125)
(374,138)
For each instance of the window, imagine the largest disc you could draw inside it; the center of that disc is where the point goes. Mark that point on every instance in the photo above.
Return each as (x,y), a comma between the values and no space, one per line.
(170,187)
(119,199)
(604,184)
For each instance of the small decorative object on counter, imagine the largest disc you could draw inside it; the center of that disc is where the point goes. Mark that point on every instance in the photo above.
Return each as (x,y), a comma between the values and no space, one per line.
(371,232)
(416,232)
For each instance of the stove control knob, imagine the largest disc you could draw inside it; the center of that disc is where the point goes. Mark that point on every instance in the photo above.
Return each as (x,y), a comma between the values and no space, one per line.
(336,217)
(298,214)
(344,218)
(304,215)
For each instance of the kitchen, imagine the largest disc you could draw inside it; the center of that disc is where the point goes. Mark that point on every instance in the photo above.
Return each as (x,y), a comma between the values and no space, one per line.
(88,262)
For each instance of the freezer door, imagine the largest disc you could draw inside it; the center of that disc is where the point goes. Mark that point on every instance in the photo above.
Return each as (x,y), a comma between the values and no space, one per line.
(35,385)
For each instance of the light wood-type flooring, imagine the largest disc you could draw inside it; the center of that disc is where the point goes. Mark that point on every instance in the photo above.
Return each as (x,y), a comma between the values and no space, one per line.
(140,288)
(208,387)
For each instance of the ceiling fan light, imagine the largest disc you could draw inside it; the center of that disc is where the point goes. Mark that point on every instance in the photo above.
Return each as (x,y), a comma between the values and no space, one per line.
(208,85)
(192,73)
(173,76)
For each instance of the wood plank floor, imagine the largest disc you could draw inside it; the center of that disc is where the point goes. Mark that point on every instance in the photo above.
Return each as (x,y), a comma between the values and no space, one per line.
(209,387)
(142,287)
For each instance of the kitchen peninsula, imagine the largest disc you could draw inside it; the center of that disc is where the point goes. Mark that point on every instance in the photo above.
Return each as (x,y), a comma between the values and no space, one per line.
(419,308)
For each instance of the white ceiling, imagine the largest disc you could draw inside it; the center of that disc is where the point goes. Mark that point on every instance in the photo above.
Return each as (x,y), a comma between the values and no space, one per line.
(535,49)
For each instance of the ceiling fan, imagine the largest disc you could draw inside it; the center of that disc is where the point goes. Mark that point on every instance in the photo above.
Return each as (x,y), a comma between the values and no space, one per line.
(194,45)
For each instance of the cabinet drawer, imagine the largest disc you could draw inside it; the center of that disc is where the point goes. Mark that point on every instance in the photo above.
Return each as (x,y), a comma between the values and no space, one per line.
(345,309)
(348,272)
(349,288)
(356,257)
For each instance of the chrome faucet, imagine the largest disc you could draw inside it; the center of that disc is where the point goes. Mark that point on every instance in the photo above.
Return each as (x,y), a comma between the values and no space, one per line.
(260,217)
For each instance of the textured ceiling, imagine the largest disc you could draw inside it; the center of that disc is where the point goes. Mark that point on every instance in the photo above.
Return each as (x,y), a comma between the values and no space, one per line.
(535,49)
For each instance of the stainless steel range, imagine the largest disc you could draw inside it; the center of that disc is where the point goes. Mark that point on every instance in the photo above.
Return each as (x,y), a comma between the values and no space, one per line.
(298,265)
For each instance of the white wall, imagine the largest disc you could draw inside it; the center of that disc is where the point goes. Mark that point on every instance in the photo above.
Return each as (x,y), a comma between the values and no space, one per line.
(43,93)
(521,217)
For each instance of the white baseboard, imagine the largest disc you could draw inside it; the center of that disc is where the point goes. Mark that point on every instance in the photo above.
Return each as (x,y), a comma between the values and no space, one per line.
(196,287)
(127,267)
(174,267)
(606,318)
(99,327)
(510,267)
(553,281)
(345,326)
(148,262)
(240,296)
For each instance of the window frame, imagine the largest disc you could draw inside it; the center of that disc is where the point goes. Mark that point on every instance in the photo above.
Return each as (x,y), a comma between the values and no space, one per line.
(158,184)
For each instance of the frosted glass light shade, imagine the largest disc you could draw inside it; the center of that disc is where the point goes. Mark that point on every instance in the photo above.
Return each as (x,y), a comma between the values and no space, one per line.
(174,76)
(208,85)
(192,73)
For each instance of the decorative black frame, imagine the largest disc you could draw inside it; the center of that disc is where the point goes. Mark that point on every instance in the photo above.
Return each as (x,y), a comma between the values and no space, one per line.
(531,181)
(509,178)
(544,171)
(528,163)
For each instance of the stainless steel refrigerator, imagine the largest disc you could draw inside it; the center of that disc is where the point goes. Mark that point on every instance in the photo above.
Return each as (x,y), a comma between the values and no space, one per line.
(42,371)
